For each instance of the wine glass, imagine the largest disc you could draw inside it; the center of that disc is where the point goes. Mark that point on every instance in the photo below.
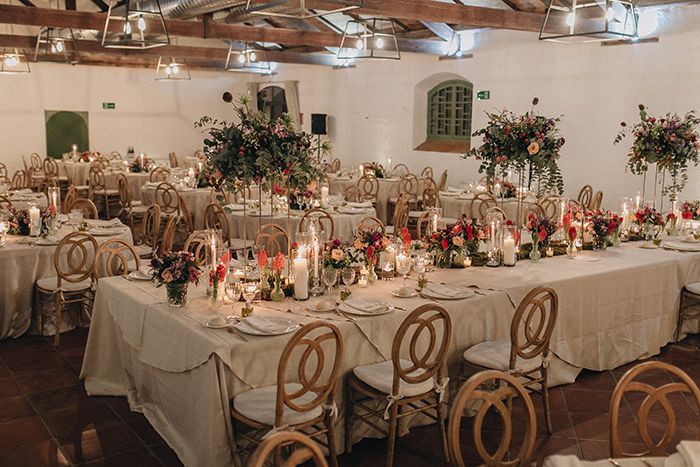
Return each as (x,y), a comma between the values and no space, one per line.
(250,289)
(330,276)
(233,292)
(348,276)
(403,267)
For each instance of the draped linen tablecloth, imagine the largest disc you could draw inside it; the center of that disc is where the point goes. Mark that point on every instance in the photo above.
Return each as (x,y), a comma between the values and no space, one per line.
(182,376)
(26,198)
(21,265)
(196,199)
(78,172)
(572,461)
(456,206)
(388,188)
(136,181)
(344,225)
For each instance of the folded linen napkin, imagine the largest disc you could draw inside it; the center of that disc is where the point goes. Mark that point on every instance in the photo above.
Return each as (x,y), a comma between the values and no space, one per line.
(97,223)
(454,189)
(363,204)
(351,210)
(152,184)
(263,324)
(444,290)
(365,305)
(235,206)
(24,191)
(690,452)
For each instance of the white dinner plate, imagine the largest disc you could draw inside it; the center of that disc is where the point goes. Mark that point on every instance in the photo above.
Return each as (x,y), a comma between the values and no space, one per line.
(281,326)
(397,293)
(461,294)
(105,232)
(346,308)
(46,242)
(327,309)
(681,246)
(212,325)
(139,275)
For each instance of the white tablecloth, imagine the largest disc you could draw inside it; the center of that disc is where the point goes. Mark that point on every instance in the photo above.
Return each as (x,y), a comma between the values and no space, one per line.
(388,188)
(196,199)
(78,172)
(456,206)
(182,376)
(24,199)
(136,182)
(21,265)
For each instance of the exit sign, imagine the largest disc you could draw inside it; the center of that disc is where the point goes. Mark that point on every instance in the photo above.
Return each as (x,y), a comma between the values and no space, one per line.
(109,105)
(483,95)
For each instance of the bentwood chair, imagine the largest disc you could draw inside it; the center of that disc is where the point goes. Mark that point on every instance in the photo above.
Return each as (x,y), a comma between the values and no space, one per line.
(371,223)
(100,193)
(551,207)
(401,215)
(403,386)
(526,354)
(167,241)
(272,238)
(408,186)
(596,201)
(5,183)
(52,173)
(352,194)
(69,199)
(197,244)
(400,170)
(423,224)
(149,232)
(427,172)
(215,218)
(635,389)
(335,165)
(161,174)
(73,261)
(323,220)
(585,196)
(20,180)
(689,307)
(495,213)
(3,169)
(303,403)
(115,257)
(369,187)
(480,204)
(172,158)
(473,393)
(430,199)
(86,206)
(308,450)
(130,209)
(115,156)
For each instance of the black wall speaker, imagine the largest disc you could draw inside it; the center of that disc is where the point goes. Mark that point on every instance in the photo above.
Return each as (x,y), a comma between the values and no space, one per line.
(318,124)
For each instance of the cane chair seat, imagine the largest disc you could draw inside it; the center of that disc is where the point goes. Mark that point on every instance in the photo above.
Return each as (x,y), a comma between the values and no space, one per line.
(50,284)
(496,355)
(693,288)
(380,376)
(259,405)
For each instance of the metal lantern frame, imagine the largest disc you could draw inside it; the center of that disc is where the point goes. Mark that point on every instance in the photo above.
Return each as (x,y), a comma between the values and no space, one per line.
(365,43)
(608,17)
(134,21)
(169,69)
(47,44)
(301,11)
(244,58)
(9,54)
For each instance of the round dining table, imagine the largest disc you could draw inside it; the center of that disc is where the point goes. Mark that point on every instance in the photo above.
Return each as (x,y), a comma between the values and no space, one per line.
(196,200)
(23,261)
(388,188)
(26,198)
(136,182)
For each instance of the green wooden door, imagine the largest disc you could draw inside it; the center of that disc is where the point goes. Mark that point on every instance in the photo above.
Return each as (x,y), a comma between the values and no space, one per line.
(65,128)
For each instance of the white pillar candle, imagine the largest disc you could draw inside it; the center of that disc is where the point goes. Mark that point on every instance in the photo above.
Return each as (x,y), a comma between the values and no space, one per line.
(55,198)
(34,221)
(497,190)
(388,162)
(301,278)
(324,196)
(141,159)
(509,251)
(362,169)
(549,252)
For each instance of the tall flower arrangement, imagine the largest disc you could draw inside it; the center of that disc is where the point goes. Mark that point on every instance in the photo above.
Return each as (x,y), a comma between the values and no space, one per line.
(670,142)
(256,149)
(690,210)
(521,142)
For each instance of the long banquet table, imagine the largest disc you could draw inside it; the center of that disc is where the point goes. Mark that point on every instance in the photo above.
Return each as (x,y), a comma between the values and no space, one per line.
(614,307)
(22,264)
(456,205)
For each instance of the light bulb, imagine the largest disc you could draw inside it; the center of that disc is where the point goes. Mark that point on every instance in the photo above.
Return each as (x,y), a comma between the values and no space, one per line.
(458,54)
(175,69)
(571,19)
(142,24)
(53,48)
(12,60)
(241,58)
(127,28)
(610,14)
(168,70)
(59,46)
(252,56)
(379,43)
(360,45)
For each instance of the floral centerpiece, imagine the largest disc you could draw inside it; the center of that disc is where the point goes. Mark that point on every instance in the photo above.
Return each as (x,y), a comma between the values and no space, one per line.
(278,264)
(336,255)
(449,244)
(540,229)
(217,279)
(508,189)
(650,222)
(690,210)
(521,142)
(405,237)
(375,169)
(602,225)
(176,270)
(19,220)
(370,243)
(670,142)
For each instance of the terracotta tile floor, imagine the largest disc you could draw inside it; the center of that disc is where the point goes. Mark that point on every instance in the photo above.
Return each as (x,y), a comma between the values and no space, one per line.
(46,419)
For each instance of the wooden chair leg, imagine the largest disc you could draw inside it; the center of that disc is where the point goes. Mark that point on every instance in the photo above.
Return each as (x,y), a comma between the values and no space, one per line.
(545,402)
(57,324)
(330,436)
(443,432)
(277,456)
(349,414)
(393,424)
(679,325)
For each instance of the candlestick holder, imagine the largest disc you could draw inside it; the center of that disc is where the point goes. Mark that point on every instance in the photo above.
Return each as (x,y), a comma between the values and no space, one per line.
(494,259)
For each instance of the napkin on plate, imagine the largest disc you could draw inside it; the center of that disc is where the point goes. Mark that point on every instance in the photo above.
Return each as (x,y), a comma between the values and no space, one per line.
(351,210)
(96,224)
(152,184)
(444,290)
(363,204)
(365,305)
(690,452)
(454,189)
(24,191)
(262,324)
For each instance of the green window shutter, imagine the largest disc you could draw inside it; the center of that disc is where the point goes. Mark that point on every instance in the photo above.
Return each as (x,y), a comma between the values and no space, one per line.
(450,111)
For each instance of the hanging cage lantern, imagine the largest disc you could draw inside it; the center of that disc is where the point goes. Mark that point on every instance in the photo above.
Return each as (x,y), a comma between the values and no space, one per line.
(244,58)
(135,25)
(373,38)
(589,21)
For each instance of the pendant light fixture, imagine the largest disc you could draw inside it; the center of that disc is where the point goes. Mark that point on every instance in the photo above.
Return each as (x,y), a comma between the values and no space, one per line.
(244,58)
(296,9)
(459,46)
(13,61)
(579,21)
(135,25)
(52,42)
(373,38)
(169,69)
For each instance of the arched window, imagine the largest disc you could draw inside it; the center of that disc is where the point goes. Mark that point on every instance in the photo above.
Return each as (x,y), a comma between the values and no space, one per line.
(272,101)
(450,111)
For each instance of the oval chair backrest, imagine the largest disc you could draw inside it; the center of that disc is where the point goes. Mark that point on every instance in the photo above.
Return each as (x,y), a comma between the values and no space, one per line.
(272,238)
(216,219)
(308,450)
(161,174)
(168,199)
(427,172)
(74,257)
(167,240)
(481,203)
(585,196)
(50,167)
(69,199)
(400,170)
(36,162)
(115,156)
(115,257)
(426,359)
(19,180)
(124,191)
(317,383)
(322,219)
(150,226)
(597,200)
(86,206)
(477,394)
(533,324)
(196,244)
(369,187)
(371,223)
(3,169)
(408,185)
(97,179)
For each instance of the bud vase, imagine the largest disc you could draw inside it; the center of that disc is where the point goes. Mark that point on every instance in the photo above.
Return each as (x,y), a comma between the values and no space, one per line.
(535,254)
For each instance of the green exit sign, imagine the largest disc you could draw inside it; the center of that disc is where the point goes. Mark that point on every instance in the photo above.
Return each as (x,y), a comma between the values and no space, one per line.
(109,105)
(483,95)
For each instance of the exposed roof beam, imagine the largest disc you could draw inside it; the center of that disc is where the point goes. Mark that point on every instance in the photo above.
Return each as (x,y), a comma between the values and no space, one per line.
(27,3)
(217,54)
(442,30)
(202,29)
(101,5)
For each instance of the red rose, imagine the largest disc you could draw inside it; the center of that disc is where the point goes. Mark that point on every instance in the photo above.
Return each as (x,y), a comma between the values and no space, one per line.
(687,215)
(445,244)
(470,233)
(542,234)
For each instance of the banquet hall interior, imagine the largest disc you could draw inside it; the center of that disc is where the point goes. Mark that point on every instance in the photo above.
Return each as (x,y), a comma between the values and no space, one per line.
(349,233)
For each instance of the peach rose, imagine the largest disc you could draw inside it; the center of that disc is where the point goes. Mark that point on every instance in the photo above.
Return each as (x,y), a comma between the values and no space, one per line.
(458,241)
(533,148)
(337,254)
(358,244)
(167,276)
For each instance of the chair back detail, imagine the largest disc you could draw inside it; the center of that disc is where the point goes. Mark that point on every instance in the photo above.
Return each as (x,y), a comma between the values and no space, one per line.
(408,185)
(401,213)
(74,257)
(50,168)
(168,199)
(150,226)
(585,196)
(400,170)
(36,162)
(322,218)
(97,180)
(115,257)
(352,194)
(124,191)
(172,158)
(481,203)
(427,172)
(477,392)
(369,187)
(160,174)
(20,180)
(533,324)
(196,244)
(167,240)
(216,219)
(86,206)
(69,199)
(597,200)
(431,199)
(371,223)
(309,450)
(273,238)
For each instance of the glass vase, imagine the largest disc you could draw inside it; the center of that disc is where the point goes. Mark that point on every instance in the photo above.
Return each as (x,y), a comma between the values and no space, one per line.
(216,295)
(600,242)
(535,254)
(371,273)
(616,240)
(177,294)
(277,294)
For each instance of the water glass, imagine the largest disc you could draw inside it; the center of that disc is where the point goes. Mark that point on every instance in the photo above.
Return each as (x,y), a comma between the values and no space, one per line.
(330,276)
(348,276)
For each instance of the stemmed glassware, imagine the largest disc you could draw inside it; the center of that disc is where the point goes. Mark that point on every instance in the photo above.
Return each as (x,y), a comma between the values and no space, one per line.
(348,276)
(330,276)
(233,292)
(250,289)
(403,267)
